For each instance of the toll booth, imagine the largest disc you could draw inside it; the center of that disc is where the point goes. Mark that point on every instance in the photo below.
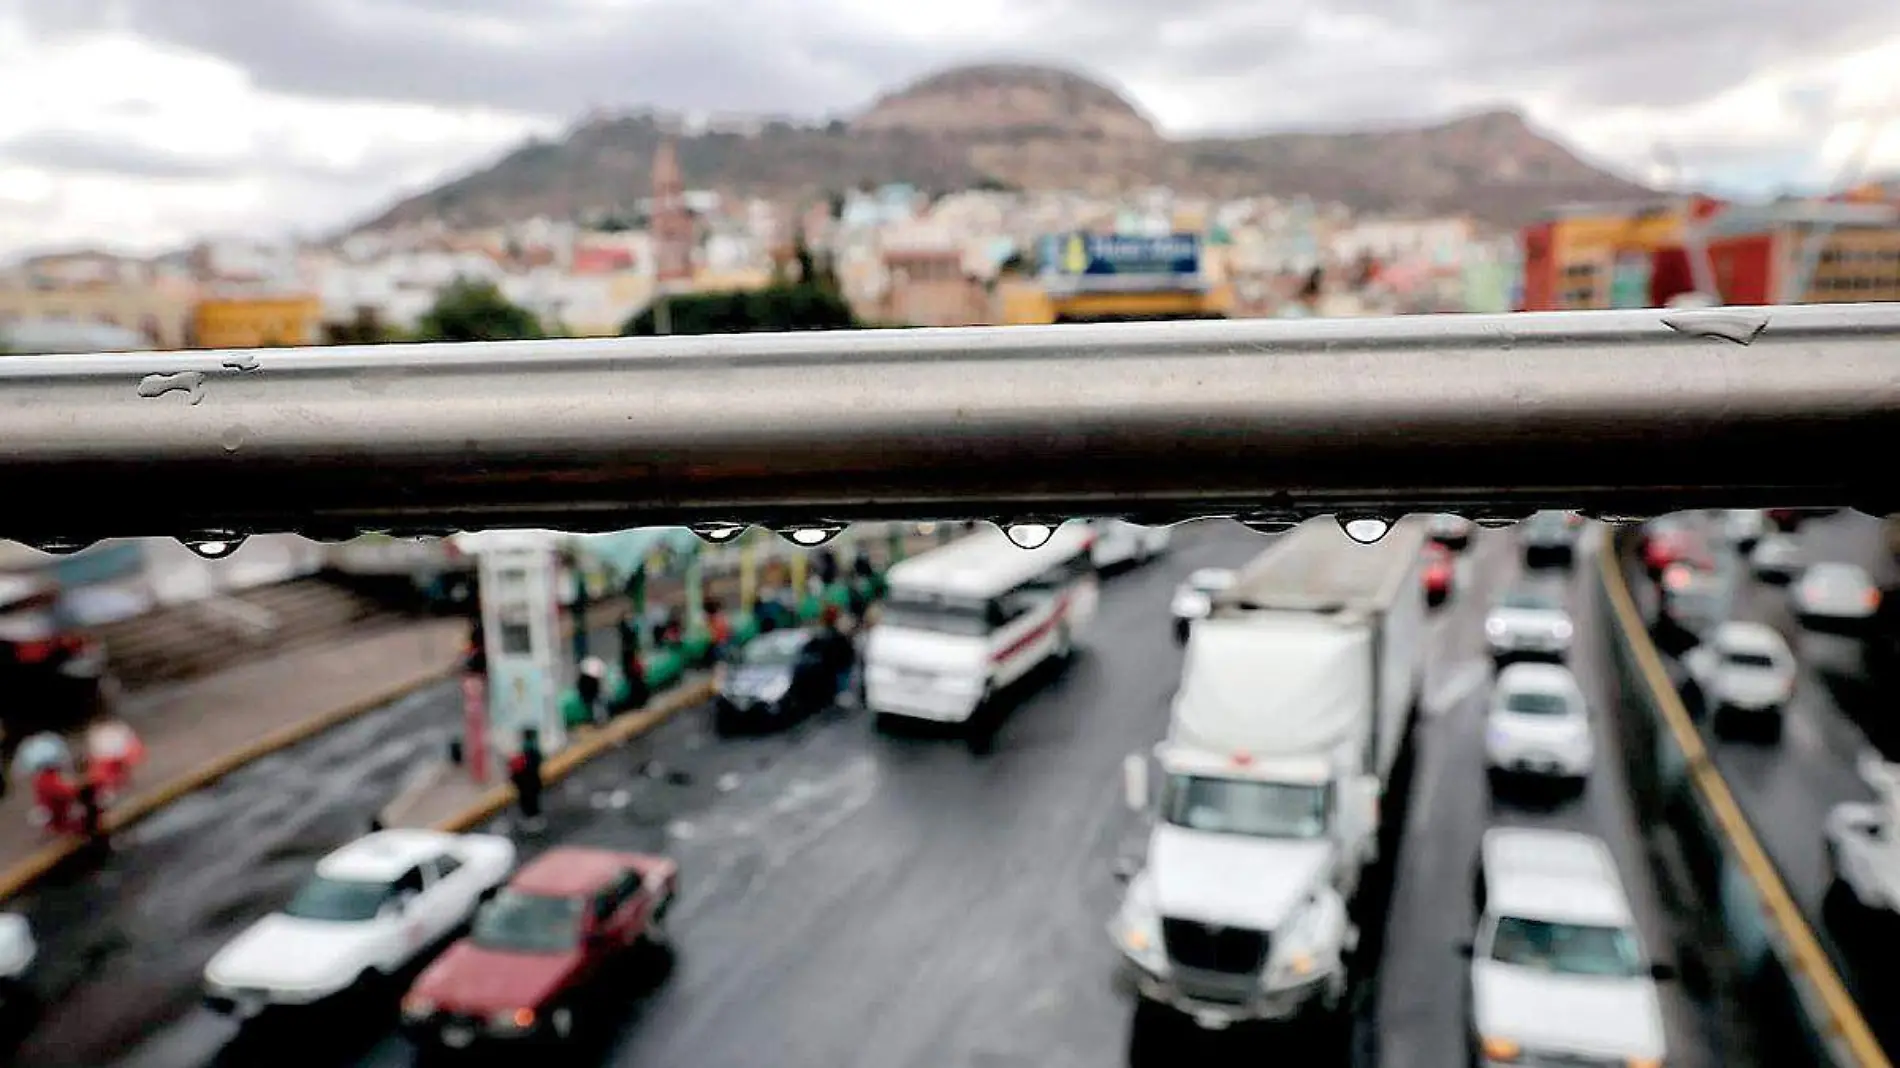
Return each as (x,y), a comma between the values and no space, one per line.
(528,665)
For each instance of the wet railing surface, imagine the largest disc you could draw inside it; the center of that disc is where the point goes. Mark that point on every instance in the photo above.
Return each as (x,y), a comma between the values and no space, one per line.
(1625,412)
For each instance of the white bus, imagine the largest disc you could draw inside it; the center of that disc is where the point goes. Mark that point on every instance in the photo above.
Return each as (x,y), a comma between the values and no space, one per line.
(961,622)
(1119,542)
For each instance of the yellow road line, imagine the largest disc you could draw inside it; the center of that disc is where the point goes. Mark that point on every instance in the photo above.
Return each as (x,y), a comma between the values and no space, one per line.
(1810,961)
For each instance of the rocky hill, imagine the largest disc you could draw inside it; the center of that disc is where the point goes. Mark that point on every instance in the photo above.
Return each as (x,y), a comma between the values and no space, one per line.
(1031,128)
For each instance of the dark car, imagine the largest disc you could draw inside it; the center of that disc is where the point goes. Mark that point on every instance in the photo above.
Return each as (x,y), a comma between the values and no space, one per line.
(1694,602)
(1550,538)
(780,676)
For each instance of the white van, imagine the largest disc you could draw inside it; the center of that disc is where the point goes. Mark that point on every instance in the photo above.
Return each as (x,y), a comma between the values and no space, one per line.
(1558,971)
(1120,543)
(961,622)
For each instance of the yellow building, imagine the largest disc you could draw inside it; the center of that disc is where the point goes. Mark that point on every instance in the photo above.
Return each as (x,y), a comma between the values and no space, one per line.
(1571,258)
(251,322)
(738,279)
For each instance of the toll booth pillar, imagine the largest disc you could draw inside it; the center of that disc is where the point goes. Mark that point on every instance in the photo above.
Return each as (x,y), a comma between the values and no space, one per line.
(528,663)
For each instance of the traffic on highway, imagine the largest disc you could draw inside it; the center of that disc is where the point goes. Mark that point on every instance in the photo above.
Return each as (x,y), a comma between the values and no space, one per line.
(1226,793)
(1790,614)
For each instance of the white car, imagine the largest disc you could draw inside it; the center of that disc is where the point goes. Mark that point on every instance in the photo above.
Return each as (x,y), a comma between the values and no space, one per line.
(1119,542)
(1451,531)
(1863,849)
(371,908)
(1559,974)
(1745,670)
(1539,724)
(1777,557)
(1835,593)
(1529,621)
(1193,597)
(1744,527)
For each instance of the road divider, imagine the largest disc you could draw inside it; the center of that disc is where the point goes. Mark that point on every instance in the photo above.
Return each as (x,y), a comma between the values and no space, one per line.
(1792,989)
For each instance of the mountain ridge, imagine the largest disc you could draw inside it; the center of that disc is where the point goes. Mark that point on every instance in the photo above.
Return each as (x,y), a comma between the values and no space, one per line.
(1028,127)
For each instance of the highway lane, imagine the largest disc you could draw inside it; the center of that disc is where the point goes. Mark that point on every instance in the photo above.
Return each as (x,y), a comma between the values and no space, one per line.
(1422,984)
(1699,1032)
(1786,789)
(856,899)
(868,901)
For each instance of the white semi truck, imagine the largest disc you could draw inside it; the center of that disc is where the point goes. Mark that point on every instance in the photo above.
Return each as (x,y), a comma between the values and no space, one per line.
(1295,704)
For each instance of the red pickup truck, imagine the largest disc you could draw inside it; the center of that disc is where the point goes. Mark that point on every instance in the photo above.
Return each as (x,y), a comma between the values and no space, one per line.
(543,950)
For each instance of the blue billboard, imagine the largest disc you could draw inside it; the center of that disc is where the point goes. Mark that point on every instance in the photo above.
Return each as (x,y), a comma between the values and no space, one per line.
(1078,254)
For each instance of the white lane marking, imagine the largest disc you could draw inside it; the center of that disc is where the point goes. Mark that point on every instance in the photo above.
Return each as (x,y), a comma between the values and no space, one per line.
(1464,680)
(1800,733)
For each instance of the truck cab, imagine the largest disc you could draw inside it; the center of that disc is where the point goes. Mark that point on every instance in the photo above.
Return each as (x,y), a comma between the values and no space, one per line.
(1239,913)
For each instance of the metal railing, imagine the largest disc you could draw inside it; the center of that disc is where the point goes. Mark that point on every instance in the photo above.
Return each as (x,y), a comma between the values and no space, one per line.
(1613,412)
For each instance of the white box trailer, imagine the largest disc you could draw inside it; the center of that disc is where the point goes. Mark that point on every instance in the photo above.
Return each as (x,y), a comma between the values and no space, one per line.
(1344,626)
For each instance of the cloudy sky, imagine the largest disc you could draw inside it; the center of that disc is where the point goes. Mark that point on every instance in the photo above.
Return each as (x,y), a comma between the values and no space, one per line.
(139,124)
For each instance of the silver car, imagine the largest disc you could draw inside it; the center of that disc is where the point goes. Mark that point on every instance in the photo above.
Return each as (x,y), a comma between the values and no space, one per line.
(1529,622)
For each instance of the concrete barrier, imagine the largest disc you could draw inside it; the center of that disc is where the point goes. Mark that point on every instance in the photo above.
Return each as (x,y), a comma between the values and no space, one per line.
(1794,996)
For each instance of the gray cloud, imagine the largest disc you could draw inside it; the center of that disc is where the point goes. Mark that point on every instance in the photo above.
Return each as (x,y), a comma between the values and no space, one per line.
(558,57)
(76,152)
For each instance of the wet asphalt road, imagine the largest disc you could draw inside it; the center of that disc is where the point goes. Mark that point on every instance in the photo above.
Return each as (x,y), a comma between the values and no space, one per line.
(856,899)
(1787,788)
(122,947)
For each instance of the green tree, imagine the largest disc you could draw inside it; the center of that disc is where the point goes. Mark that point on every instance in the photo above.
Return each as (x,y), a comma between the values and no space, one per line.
(779,307)
(807,265)
(366,327)
(470,310)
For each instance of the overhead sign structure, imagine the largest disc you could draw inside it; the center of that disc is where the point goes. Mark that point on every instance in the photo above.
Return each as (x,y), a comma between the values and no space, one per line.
(1095,255)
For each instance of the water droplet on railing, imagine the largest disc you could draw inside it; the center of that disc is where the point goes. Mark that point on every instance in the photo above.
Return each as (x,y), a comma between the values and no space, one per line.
(1268,522)
(190,383)
(1029,535)
(215,548)
(1364,529)
(233,437)
(1741,327)
(717,533)
(811,536)
(241,361)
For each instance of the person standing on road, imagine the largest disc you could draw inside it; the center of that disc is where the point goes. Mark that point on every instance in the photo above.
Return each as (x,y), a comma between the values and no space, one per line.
(588,683)
(475,654)
(525,772)
(825,566)
(839,651)
(630,666)
(91,805)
